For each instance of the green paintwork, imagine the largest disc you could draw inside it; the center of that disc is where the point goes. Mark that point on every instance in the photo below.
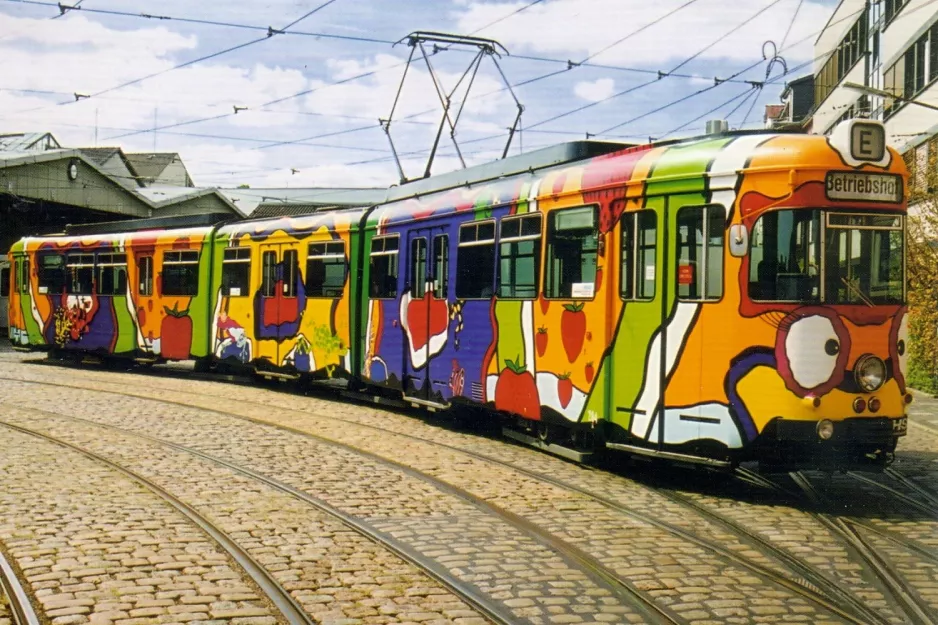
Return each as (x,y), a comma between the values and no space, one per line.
(510,337)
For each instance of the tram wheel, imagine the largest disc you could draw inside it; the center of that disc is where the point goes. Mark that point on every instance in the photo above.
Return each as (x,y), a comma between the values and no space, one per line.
(544,432)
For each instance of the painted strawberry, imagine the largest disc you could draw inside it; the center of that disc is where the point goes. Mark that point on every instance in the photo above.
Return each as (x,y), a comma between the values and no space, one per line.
(545,304)
(573,329)
(599,278)
(590,372)
(540,341)
(564,390)
(516,392)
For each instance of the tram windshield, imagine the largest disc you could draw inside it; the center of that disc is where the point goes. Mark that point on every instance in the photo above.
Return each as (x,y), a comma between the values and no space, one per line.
(858,260)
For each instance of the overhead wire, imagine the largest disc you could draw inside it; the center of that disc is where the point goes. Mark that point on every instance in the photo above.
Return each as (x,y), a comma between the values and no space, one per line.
(270,33)
(189,20)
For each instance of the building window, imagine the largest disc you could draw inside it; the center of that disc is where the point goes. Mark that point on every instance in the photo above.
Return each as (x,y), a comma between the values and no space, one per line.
(639,243)
(51,274)
(112,274)
(475,260)
(383,267)
(80,274)
(180,273)
(519,255)
(572,246)
(326,269)
(893,7)
(842,59)
(146,275)
(700,253)
(236,271)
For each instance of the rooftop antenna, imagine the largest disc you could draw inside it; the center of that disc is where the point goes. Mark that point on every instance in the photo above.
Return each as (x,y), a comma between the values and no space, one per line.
(484,48)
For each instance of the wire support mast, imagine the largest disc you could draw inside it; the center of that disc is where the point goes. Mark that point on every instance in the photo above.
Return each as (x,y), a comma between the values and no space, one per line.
(485,48)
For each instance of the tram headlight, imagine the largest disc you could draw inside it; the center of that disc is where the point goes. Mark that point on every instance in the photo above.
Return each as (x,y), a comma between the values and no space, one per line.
(870,373)
(825,429)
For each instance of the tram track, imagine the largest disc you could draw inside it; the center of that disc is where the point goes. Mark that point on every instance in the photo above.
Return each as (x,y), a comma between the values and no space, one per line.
(602,575)
(291,611)
(914,608)
(17,598)
(804,581)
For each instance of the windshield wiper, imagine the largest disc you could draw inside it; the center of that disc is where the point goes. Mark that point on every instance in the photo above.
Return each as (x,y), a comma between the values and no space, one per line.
(853,286)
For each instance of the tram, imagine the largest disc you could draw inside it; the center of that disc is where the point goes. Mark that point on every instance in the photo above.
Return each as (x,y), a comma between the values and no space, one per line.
(729,298)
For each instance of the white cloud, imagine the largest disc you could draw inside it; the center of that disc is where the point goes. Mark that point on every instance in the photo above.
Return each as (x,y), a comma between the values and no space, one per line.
(596,90)
(576,29)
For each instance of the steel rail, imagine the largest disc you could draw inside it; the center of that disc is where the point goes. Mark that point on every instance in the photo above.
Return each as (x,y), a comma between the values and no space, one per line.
(281,598)
(573,555)
(812,586)
(20,605)
(915,610)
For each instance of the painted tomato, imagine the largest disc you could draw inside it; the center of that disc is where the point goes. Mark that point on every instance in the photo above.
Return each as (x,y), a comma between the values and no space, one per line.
(176,334)
(516,392)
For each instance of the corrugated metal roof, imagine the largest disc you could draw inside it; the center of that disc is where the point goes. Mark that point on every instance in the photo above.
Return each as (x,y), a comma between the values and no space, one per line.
(279,209)
(151,164)
(99,155)
(28,142)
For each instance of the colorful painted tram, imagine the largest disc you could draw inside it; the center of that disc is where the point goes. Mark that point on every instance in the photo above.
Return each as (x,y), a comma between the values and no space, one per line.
(736,297)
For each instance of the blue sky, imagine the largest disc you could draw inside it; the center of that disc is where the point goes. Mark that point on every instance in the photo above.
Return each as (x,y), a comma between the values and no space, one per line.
(329,135)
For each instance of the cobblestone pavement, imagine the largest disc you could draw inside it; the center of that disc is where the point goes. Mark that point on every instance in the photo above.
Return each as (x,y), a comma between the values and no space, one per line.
(693,583)
(6,618)
(103,549)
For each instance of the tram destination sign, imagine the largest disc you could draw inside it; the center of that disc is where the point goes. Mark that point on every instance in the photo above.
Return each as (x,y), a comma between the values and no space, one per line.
(863,187)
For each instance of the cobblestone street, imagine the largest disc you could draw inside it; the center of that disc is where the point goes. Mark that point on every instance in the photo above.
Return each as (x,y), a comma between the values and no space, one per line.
(162,497)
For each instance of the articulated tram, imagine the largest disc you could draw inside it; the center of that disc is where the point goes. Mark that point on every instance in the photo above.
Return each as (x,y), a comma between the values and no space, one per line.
(730,298)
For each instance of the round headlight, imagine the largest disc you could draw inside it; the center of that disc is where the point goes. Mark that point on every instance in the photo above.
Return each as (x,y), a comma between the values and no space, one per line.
(825,429)
(870,373)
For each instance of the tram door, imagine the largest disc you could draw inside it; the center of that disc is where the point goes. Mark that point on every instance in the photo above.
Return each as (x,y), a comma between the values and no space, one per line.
(425,315)
(4,296)
(279,313)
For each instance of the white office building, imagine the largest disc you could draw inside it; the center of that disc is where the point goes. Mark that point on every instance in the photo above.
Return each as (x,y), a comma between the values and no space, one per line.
(891,46)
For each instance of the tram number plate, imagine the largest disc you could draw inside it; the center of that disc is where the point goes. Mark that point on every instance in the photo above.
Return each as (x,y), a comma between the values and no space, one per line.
(900,426)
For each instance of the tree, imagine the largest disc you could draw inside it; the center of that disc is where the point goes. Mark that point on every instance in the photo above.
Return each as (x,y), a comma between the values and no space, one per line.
(922,270)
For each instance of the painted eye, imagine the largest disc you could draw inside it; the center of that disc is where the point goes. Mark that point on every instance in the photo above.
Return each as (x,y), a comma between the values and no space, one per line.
(812,347)
(899,349)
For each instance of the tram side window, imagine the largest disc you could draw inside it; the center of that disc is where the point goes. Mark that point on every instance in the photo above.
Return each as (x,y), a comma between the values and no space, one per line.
(418,267)
(572,245)
(326,269)
(22,275)
(112,274)
(146,275)
(519,256)
(181,273)
(783,259)
(51,273)
(475,260)
(290,267)
(383,267)
(80,274)
(639,243)
(700,242)
(440,266)
(235,271)
(5,282)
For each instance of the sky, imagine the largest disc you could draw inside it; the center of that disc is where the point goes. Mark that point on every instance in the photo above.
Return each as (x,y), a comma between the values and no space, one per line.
(311,79)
